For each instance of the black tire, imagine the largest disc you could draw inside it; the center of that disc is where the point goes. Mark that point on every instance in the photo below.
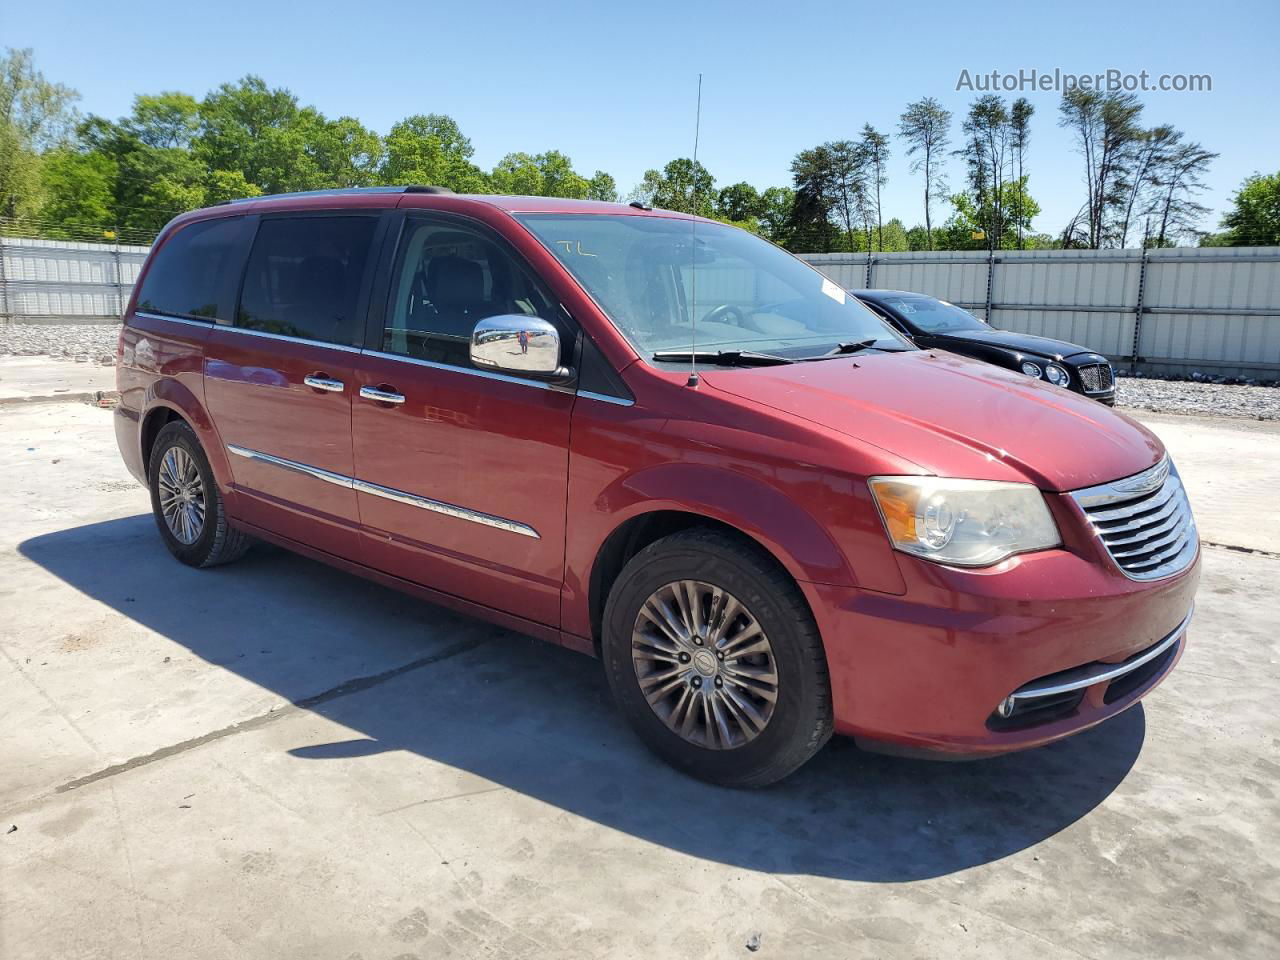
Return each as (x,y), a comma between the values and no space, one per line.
(801,721)
(217,542)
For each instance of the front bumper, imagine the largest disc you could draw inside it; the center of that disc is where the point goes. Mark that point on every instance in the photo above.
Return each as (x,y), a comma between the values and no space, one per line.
(927,671)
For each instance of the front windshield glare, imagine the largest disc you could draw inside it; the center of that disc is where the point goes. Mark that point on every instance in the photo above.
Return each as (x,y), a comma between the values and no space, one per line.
(654,276)
(935,316)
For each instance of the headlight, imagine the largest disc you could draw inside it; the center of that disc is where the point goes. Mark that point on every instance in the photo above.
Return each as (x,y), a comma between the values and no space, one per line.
(967,523)
(1057,375)
(1030,369)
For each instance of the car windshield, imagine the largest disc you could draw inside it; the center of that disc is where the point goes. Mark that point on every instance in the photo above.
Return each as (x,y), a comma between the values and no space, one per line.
(654,276)
(934,316)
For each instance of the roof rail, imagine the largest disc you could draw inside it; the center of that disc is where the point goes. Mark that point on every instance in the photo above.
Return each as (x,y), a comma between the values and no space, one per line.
(341,192)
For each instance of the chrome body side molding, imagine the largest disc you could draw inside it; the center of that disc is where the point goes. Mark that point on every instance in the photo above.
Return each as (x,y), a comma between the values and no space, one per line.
(388,493)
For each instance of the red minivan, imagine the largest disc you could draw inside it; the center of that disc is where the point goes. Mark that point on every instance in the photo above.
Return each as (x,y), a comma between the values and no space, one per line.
(665,442)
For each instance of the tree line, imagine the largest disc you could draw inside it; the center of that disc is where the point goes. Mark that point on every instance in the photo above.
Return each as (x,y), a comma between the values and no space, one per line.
(71,175)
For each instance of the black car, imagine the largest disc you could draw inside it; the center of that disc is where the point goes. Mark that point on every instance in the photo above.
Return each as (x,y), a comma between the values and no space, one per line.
(934,323)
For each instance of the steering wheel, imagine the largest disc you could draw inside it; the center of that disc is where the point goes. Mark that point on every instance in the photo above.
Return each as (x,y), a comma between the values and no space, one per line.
(728,313)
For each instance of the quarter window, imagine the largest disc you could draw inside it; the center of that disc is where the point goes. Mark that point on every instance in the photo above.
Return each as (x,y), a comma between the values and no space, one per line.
(447,278)
(189,276)
(304,278)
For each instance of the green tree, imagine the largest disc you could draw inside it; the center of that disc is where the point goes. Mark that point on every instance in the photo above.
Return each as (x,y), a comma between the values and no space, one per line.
(601,186)
(1254,217)
(261,133)
(35,115)
(738,202)
(682,185)
(164,120)
(1019,140)
(430,149)
(517,174)
(1106,127)
(78,191)
(775,212)
(809,227)
(875,152)
(925,126)
(345,152)
(986,152)
(967,227)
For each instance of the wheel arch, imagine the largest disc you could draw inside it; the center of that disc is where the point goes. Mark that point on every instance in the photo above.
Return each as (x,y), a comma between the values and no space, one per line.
(639,531)
(169,400)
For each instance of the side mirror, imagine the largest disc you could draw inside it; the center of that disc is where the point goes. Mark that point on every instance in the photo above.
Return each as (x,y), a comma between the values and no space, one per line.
(515,343)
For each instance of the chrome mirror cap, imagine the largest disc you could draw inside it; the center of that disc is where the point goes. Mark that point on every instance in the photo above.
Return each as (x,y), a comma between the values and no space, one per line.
(515,343)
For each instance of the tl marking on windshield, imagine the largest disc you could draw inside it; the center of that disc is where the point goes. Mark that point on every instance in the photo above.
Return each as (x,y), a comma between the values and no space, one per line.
(568,248)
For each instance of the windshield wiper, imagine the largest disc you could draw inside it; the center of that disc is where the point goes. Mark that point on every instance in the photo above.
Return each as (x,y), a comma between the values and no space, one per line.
(856,346)
(723,358)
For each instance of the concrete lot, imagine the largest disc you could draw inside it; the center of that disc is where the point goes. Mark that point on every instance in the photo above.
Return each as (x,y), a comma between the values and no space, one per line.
(275,760)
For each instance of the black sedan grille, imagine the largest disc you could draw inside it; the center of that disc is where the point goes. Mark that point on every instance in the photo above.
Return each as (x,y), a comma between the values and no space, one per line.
(1097,378)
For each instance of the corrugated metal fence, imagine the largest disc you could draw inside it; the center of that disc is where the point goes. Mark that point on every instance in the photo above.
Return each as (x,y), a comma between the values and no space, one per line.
(61,281)
(1213,309)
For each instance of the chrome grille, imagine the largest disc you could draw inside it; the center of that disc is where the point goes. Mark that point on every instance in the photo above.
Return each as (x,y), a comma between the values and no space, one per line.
(1144,521)
(1097,377)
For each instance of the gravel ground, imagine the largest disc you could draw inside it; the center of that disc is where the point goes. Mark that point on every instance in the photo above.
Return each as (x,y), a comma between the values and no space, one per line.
(88,342)
(1198,399)
(96,343)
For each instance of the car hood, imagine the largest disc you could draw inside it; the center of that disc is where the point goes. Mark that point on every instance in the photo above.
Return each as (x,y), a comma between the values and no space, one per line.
(1020,342)
(956,417)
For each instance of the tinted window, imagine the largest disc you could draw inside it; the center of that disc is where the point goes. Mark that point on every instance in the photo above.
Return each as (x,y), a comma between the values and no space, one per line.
(447,278)
(935,316)
(304,278)
(189,275)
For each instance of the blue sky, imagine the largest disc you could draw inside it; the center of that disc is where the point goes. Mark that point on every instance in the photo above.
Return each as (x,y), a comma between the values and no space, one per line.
(613,85)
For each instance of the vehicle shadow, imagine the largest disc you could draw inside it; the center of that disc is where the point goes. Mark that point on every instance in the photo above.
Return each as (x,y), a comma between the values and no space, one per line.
(537,719)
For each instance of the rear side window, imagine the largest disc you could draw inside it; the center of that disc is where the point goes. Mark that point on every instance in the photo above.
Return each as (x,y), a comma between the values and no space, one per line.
(304,278)
(190,275)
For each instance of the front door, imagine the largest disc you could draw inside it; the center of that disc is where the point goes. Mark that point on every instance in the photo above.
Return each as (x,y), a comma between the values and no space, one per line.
(279,380)
(461,473)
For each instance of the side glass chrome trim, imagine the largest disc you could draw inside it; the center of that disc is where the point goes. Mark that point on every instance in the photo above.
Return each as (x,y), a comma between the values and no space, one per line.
(605,398)
(388,493)
(336,479)
(448,509)
(287,339)
(187,320)
(1101,673)
(470,371)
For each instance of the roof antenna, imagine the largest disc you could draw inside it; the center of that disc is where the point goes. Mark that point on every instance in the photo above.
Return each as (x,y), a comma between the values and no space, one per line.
(693,252)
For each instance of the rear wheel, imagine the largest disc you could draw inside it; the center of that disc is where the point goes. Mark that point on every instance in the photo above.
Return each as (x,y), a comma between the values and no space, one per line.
(186,503)
(714,658)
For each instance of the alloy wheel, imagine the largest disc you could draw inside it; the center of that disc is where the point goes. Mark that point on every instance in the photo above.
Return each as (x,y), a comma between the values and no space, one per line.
(182,500)
(704,664)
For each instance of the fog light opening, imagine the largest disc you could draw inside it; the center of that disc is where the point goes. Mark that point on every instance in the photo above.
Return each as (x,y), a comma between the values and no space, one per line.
(1005,710)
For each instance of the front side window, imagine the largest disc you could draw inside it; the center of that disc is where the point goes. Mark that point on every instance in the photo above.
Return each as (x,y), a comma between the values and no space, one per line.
(654,276)
(190,275)
(447,277)
(304,278)
(934,316)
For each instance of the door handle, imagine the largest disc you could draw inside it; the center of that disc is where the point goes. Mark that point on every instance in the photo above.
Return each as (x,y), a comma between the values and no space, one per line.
(317,382)
(382,396)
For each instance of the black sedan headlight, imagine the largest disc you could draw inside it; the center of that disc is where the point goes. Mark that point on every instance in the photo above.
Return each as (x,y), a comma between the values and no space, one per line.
(1057,375)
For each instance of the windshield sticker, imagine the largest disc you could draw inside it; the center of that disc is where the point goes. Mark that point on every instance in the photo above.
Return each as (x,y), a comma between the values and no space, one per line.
(832,290)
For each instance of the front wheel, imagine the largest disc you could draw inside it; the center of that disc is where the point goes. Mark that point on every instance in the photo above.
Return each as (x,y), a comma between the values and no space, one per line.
(713,657)
(188,508)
